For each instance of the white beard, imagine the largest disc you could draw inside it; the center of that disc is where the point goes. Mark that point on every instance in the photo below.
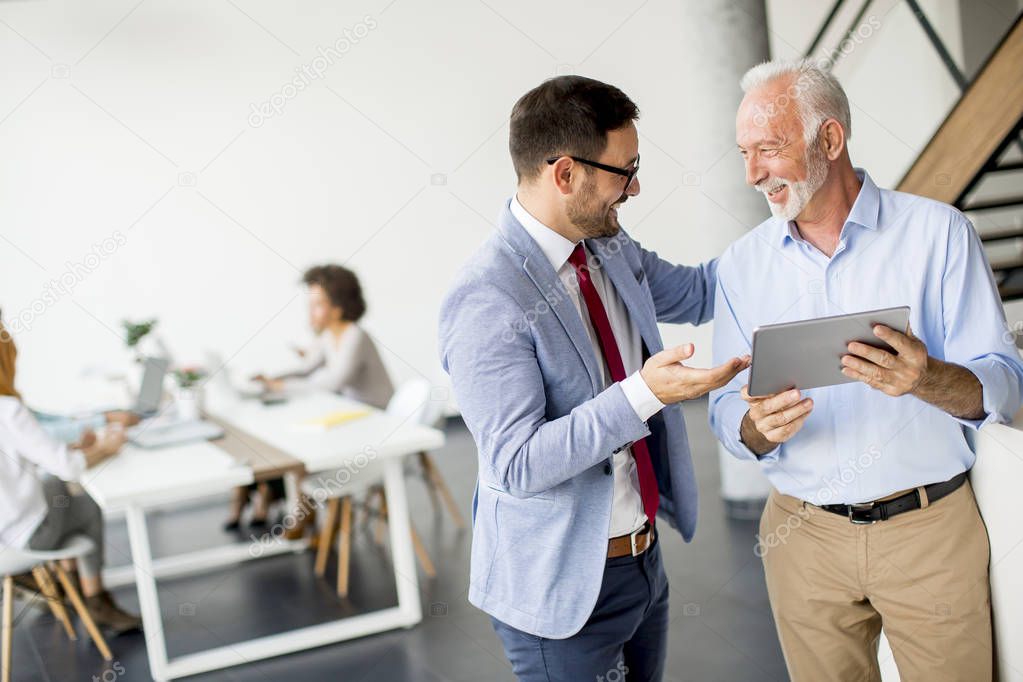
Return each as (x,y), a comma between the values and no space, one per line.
(800,192)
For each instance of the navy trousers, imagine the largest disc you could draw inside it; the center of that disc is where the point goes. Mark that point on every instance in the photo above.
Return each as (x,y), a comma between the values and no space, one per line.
(625,637)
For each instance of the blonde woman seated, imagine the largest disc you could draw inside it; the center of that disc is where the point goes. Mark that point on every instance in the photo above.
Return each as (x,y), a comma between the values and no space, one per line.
(343,359)
(37,511)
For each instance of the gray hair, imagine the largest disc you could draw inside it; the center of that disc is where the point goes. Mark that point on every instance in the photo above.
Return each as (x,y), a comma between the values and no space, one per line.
(816,92)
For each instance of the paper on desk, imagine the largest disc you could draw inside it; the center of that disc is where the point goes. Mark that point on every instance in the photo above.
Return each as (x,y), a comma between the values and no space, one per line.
(329,421)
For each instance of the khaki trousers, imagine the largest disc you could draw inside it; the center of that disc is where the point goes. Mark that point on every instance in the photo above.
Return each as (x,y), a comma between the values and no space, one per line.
(922,574)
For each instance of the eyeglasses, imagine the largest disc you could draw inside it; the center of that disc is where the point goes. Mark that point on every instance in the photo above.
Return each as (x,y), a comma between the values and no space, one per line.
(628,173)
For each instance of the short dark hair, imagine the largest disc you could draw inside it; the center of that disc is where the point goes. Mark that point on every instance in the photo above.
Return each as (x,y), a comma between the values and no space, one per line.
(342,288)
(565,115)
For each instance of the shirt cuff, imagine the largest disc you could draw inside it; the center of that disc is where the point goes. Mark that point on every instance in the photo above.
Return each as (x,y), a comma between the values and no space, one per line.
(994,392)
(644,403)
(95,422)
(735,413)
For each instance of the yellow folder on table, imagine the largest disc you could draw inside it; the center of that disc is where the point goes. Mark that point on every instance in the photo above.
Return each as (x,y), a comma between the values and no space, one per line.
(333,419)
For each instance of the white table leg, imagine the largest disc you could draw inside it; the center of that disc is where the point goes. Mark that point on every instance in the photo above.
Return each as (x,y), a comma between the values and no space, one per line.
(402,552)
(291,494)
(152,622)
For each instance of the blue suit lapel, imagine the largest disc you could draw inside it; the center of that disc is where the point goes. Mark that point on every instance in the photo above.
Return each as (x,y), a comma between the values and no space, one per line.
(553,290)
(540,271)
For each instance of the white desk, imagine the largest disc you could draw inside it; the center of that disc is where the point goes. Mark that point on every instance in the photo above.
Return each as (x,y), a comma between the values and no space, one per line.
(377,436)
(149,478)
(138,479)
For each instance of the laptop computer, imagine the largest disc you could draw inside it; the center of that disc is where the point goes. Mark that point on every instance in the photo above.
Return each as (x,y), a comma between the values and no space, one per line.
(224,378)
(147,403)
(155,431)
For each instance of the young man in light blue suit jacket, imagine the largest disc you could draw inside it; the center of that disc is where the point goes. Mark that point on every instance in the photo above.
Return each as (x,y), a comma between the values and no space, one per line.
(550,337)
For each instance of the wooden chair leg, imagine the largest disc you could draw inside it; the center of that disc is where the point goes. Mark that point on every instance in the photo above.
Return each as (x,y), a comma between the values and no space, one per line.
(83,613)
(437,480)
(53,599)
(431,489)
(326,537)
(8,628)
(422,554)
(344,546)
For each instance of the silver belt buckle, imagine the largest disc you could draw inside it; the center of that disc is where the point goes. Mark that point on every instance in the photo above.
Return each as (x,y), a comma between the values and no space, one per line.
(632,541)
(635,534)
(861,520)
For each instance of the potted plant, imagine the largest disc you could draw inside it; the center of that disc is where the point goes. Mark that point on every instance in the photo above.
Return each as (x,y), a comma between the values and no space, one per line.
(189,396)
(136,331)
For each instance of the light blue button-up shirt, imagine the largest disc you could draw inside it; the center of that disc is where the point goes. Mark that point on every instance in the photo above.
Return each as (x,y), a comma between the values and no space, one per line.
(69,429)
(895,249)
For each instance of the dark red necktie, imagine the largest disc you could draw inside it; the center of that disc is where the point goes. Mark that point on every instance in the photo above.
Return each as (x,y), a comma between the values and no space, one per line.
(613,357)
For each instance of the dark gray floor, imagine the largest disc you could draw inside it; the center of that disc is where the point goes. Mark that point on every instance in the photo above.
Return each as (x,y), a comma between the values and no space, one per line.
(721,626)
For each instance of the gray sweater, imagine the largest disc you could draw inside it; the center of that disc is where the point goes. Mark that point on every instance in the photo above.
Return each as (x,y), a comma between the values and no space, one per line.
(349,365)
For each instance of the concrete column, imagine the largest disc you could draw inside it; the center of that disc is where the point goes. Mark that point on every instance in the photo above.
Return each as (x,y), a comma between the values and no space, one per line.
(727,38)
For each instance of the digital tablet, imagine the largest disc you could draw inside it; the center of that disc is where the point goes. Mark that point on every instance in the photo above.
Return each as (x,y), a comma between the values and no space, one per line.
(808,353)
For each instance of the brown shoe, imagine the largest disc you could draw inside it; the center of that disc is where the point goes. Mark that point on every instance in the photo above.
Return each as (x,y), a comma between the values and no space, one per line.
(110,616)
(25,586)
(25,581)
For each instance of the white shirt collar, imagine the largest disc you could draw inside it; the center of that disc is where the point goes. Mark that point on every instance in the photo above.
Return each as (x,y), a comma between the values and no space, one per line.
(554,246)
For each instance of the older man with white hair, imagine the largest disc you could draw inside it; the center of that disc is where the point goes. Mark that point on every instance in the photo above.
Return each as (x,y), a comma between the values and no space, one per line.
(872,520)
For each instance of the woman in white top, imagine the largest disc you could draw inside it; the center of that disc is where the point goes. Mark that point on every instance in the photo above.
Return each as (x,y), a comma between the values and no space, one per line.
(343,359)
(37,511)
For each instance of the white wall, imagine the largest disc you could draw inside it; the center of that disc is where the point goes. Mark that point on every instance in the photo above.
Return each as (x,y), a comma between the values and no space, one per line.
(133,122)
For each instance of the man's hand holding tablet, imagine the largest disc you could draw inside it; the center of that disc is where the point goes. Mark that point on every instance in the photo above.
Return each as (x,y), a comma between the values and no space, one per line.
(912,371)
(772,420)
(894,374)
(897,367)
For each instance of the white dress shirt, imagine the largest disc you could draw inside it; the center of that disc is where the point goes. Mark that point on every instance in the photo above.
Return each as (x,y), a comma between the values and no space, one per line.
(25,449)
(627,513)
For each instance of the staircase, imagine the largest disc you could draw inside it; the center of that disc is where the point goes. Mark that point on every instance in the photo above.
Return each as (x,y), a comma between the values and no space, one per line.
(975,160)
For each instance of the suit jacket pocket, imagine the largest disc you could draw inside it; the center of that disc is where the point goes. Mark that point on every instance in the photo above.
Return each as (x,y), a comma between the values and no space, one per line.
(546,496)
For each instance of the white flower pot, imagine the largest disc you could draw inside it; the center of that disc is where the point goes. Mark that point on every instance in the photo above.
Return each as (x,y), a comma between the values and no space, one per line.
(189,403)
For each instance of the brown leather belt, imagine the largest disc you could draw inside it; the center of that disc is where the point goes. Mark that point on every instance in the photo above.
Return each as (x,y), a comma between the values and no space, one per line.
(632,544)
